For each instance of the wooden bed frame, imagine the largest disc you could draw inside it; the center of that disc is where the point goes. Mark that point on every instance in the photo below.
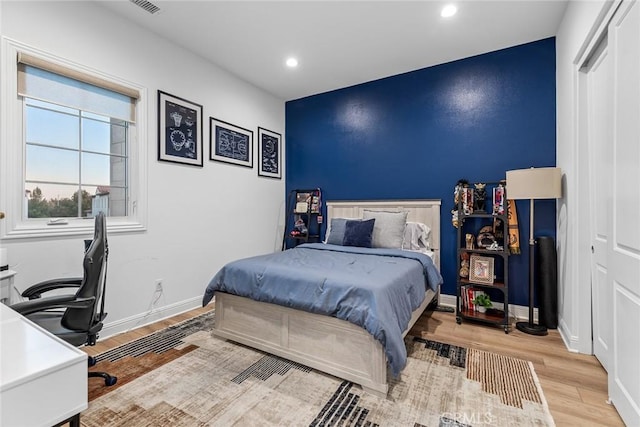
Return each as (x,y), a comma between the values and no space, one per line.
(328,344)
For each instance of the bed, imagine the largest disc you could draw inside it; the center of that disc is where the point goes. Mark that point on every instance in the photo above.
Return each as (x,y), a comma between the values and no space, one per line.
(326,343)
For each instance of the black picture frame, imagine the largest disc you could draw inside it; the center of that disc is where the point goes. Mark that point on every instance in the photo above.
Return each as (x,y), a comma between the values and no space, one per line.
(230,143)
(269,153)
(179,130)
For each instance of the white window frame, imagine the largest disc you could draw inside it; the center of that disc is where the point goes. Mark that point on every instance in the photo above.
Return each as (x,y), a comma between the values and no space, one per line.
(12,157)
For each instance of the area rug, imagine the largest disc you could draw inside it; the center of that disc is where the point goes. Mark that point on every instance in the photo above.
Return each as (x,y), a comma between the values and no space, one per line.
(184,376)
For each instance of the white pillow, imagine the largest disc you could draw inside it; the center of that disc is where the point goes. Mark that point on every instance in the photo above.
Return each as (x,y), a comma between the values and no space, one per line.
(388,229)
(416,236)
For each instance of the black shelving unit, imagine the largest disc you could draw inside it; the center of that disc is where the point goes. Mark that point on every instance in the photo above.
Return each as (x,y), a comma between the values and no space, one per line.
(306,206)
(492,281)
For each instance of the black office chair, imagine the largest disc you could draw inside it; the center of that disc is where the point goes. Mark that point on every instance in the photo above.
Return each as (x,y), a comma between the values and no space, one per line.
(82,318)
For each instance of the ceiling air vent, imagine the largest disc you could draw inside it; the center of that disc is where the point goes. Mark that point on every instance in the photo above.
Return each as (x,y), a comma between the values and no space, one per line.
(146,5)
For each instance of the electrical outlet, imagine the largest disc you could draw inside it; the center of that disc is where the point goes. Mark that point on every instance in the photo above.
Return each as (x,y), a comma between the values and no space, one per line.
(158,285)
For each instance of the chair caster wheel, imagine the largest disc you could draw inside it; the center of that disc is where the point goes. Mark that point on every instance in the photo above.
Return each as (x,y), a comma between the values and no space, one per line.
(110,381)
(459,320)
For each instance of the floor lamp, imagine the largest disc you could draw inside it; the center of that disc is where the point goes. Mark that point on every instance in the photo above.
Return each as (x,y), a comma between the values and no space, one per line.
(532,184)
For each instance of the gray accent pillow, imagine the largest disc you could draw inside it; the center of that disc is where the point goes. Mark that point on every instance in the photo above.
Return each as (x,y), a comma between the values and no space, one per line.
(388,231)
(336,231)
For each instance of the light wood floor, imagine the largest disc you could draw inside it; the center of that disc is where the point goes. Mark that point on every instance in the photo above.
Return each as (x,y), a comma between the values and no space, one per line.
(575,385)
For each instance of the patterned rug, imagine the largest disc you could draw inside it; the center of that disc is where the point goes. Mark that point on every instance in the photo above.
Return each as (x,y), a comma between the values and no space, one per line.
(184,376)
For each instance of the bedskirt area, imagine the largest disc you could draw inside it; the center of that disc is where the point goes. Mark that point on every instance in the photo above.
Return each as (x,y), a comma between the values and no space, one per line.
(328,344)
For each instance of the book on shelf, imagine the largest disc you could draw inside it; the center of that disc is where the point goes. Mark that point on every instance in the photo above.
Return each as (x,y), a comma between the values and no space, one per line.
(469,294)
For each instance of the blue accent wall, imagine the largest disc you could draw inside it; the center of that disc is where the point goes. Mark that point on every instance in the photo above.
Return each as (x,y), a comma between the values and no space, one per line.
(416,134)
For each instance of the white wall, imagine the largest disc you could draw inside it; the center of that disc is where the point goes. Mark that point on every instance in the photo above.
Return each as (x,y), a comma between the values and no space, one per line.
(198,218)
(580,20)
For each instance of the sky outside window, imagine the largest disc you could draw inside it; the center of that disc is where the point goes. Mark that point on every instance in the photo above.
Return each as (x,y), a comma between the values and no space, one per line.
(67,149)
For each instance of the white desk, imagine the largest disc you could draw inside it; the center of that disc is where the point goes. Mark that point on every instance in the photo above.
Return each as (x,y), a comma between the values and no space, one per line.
(6,286)
(43,380)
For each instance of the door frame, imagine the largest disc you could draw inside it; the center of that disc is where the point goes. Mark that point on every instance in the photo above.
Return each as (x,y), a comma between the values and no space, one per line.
(601,338)
(581,242)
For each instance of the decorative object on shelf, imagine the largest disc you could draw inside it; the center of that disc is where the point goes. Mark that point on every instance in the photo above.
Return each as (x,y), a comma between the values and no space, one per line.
(498,199)
(457,194)
(532,184)
(179,130)
(481,269)
(316,202)
(469,241)
(495,247)
(479,196)
(299,228)
(230,143)
(467,200)
(269,153)
(482,302)
(464,265)
(486,239)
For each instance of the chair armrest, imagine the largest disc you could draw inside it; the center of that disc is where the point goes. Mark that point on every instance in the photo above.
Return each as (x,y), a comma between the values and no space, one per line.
(48,303)
(36,290)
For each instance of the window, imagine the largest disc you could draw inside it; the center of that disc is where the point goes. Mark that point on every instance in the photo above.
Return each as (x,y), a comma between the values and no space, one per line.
(75,162)
(72,148)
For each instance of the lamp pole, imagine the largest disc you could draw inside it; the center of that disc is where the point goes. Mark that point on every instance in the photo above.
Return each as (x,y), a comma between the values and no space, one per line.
(530,327)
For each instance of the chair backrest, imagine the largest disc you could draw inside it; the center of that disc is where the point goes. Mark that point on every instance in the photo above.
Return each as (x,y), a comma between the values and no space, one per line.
(93,281)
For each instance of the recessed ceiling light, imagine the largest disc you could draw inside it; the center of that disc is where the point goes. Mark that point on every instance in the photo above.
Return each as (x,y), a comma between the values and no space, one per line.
(292,62)
(448,11)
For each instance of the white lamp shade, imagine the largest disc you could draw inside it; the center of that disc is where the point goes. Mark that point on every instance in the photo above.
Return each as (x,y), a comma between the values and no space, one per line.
(534,183)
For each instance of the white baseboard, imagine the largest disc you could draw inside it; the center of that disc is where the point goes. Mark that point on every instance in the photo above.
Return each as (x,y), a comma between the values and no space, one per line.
(570,341)
(154,315)
(521,313)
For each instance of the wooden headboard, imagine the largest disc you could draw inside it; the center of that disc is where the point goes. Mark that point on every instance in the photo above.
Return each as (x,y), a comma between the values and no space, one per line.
(426,211)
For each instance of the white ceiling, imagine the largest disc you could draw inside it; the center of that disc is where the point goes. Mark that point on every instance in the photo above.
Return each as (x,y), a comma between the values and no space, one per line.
(340,43)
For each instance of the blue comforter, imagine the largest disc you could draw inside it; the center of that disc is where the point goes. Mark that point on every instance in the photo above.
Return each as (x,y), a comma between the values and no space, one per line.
(377,289)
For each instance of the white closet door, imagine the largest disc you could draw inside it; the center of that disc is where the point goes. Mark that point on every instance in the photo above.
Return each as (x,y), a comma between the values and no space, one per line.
(624,240)
(600,135)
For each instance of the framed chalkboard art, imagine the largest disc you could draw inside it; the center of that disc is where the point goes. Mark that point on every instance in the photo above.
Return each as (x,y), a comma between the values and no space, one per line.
(179,130)
(269,157)
(230,143)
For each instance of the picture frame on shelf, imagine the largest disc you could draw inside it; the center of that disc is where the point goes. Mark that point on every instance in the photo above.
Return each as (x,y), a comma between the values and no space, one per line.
(230,143)
(302,202)
(269,153)
(179,130)
(481,269)
(301,207)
